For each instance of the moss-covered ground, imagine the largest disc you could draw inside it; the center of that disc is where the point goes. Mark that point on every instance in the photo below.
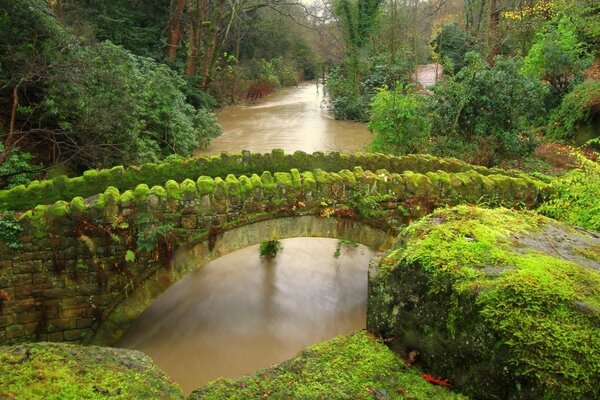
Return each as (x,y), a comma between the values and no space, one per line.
(60,371)
(504,303)
(351,367)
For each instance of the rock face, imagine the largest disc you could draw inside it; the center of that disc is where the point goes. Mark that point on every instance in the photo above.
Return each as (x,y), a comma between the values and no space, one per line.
(351,367)
(61,371)
(505,304)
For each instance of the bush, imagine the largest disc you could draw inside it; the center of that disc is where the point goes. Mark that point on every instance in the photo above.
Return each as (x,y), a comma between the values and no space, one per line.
(486,112)
(399,121)
(450,45)
(574,197)
(14,170)
(558,57)
(270,249)
(577,111)
(118,108)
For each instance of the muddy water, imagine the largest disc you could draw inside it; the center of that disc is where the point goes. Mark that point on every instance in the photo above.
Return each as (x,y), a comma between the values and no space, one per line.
(292,119)
(241,313)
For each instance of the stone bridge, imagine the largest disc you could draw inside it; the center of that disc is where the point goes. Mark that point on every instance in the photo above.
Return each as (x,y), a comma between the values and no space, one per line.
(84,267)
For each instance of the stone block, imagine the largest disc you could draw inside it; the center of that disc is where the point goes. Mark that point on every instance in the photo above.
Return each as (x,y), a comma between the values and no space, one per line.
(74,335)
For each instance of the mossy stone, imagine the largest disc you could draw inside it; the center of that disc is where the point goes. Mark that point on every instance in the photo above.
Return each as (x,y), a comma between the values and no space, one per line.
(490,300)
(205,185)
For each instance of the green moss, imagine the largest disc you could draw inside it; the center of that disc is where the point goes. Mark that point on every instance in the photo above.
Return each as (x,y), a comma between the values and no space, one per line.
(267,180)
(256,181)
(141,193)
(219,189)
(246,185)
(296,178)
(348,367)
(60,371)
(491,302)
(158,191)
(188,189)
(78,205)
(283,179)
(94,182)
(308,181)
(173,190)
(58,209)
(233,186)
(205,185)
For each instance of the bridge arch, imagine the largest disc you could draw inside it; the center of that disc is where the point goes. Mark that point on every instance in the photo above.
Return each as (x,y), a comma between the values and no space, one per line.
(192,256)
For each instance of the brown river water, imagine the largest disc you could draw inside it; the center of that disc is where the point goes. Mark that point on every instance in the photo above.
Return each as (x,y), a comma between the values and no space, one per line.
(241,312)
(293,118)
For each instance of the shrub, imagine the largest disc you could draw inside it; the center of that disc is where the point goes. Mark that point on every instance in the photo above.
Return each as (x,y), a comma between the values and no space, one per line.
(116,107)
(399,121)
(485,113)
(574,197)
(450,45)
(577,111)
(270,249)
(558,57)
(15,169)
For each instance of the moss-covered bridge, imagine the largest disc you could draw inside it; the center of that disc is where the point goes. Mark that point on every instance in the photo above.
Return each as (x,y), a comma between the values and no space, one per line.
(83,267)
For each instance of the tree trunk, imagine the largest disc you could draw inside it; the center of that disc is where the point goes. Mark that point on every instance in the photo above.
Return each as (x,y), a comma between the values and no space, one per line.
(10,138)
(177,7)
(493,40)
(191,60)
(211,51)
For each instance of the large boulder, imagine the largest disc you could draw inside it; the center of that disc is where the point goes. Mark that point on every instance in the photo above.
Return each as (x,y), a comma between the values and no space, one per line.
(62,371)
(505,304)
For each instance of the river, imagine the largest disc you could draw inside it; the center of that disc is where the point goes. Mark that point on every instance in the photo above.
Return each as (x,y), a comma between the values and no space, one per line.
(293,118)
(241,312)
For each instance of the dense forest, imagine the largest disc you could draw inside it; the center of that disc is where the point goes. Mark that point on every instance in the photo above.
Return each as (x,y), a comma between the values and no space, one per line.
(88,84)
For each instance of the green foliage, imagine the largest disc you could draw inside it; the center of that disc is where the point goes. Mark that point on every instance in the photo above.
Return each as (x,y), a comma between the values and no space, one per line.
(10,230)
(15,169)
(122,108)
(574,197)
(270,248)
(451,44)
(368,205)
(355,367)
(150,233)
(358,19)
(484,113)
(558,57)
(130,256)
(579,110)
(139,27)
(399,121)
(346,244)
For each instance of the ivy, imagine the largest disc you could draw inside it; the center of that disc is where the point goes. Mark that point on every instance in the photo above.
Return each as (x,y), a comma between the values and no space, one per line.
(10,230)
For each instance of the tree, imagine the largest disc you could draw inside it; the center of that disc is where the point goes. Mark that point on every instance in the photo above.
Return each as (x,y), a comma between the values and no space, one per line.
(400,122)
(484,113)
(558,57)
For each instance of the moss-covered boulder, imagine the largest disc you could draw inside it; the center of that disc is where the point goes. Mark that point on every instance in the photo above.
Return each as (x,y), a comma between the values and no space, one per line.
(62,371)
(351,367)
(505,304)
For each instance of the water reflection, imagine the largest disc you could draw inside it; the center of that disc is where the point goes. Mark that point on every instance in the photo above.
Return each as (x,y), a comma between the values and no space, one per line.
(291,119)
(241,313)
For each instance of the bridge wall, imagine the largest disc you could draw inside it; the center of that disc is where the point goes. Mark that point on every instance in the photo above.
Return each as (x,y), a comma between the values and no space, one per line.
(85,266)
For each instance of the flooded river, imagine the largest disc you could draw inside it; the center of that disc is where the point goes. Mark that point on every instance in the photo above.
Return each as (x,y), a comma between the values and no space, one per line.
(241,312)
(293,118)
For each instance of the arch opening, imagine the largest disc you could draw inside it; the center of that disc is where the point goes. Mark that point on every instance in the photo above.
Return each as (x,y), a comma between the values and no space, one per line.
(191,256)
(243,312)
